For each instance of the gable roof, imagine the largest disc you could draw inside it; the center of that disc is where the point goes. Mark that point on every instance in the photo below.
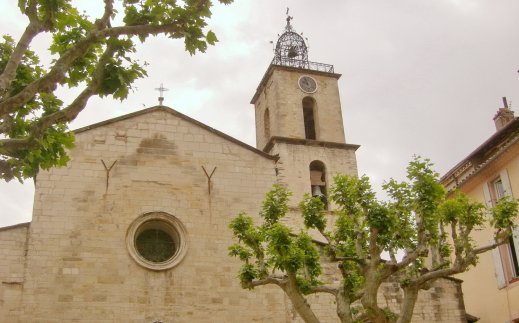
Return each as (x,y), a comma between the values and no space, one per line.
(488,151)
(181,116)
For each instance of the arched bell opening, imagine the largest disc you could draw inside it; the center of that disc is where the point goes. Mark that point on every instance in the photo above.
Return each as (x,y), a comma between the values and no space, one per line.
(309,118)
(318,181)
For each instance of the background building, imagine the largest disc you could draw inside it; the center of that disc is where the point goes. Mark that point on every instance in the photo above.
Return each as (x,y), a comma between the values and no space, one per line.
(489,173)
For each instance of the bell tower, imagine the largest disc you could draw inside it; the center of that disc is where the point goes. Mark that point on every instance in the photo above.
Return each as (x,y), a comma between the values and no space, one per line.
(299,117)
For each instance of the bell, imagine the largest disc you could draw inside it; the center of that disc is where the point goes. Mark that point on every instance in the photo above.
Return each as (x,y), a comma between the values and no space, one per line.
(316,191)
(292,52)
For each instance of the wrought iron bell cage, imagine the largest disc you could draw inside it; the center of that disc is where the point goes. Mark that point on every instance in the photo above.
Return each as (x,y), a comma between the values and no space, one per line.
(291,49)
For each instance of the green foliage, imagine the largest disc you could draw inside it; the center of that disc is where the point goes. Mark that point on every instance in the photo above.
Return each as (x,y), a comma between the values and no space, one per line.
(241,252)
(247,273)
(462,211)
(50,148)
(120,70)
(50,151)
(313,212)
(244,229)
(427,194)
(503,214)
(92,53)
(353,195)
(354,279)
(273,245)
(275,205)
(390,315)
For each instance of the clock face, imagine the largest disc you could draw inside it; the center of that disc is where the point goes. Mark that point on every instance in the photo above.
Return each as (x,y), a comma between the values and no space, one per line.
(307,84)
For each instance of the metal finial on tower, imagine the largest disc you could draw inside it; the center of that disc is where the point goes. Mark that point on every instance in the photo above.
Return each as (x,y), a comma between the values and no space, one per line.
(288,27)
(161,90)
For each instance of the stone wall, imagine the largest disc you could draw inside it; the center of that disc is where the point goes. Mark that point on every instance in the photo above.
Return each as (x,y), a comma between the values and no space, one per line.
(78,264)
(13,247)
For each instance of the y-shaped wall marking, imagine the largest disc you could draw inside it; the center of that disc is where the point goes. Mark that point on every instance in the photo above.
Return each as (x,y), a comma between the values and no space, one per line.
(108,169)
(208,179)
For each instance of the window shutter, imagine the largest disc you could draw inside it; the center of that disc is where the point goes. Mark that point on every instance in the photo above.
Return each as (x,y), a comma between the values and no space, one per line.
(515,237)
(506,183)
(486,194)
(498,267)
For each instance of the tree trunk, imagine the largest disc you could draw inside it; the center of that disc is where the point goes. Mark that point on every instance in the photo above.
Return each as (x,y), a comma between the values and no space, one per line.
(407,307)
(369,300)
(298,301)
(343,307)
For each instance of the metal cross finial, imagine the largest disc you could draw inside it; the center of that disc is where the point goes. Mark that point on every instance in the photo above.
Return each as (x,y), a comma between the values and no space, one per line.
(288,17)
(161,90)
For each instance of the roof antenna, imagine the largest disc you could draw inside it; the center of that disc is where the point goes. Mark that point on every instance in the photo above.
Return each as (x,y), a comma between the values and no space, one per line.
(161,90)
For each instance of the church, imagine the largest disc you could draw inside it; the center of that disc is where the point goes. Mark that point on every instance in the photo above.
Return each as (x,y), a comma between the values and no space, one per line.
(135,227)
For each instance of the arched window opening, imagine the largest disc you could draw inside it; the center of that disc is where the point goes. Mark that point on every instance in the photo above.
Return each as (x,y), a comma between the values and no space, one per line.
(266,124)
(308,115)
(318,181)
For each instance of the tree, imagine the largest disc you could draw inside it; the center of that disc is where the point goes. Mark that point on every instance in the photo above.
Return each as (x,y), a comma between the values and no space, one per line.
(94,54)
(425,235)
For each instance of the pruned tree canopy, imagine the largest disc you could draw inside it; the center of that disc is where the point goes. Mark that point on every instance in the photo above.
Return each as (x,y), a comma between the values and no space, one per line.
(425,236)
(95,54)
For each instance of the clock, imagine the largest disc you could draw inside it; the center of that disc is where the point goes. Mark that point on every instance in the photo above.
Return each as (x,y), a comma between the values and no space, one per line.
(307,84)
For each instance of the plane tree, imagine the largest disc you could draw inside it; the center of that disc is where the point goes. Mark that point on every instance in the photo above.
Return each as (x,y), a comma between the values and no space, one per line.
(96,55)
(423,235)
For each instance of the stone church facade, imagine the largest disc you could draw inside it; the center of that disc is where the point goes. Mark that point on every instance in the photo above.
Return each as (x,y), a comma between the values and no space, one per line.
(135,227)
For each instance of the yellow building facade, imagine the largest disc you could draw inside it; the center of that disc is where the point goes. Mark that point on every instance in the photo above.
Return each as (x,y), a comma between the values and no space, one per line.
(489,173)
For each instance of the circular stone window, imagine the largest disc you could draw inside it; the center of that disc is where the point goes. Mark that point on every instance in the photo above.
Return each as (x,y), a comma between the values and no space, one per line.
(157,240)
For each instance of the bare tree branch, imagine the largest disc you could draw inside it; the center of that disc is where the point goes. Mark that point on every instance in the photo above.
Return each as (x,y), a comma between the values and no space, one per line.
(486,248)
(143,30)
(34,28)
(11,147)
(392,256)
(354,259)
(424,278)
(410,256)
(324,289)
(277,280)
(358,242)
(109,10)
(374,249)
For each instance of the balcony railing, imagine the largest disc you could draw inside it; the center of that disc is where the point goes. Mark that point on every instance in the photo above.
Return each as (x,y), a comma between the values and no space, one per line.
(303,64)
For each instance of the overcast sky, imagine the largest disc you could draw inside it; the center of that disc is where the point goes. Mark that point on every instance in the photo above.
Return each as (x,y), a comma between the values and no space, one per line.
(418,76)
